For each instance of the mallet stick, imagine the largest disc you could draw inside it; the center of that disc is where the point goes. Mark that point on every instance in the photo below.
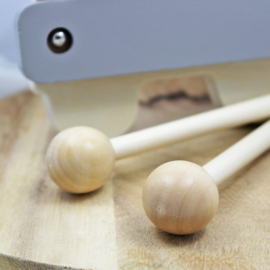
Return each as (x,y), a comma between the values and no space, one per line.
(222,118)
(181,197)
(81,159)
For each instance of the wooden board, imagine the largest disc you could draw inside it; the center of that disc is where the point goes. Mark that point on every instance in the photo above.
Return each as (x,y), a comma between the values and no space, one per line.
(42,227)
(92,101)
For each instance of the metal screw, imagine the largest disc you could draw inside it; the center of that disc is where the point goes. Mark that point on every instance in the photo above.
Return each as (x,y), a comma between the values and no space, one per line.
(59,40)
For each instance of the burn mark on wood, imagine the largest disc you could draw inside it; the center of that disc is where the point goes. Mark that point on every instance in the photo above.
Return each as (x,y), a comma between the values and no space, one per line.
(179,95)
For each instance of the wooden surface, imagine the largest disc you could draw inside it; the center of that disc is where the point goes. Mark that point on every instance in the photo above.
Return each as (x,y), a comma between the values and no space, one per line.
(42,227)
(200,88)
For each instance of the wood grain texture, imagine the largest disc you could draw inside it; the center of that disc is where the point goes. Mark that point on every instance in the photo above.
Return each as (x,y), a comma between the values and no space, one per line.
(80,159)
(42,227)
(237,238)
(180,197)
(38,221)
(168,94)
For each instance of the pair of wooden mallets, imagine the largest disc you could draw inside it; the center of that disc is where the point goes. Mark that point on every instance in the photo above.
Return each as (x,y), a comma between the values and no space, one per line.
(179,197)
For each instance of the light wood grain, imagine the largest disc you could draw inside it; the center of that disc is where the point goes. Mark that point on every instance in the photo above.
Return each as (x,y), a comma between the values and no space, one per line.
(42,227)
(241,113)
(39,222)
(240,229)
(240,154)
(193,90)
(181,197)
(81,159)
(75,103)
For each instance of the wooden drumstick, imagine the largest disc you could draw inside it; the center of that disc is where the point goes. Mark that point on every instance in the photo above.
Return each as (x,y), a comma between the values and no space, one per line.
(181,197)
(81,159)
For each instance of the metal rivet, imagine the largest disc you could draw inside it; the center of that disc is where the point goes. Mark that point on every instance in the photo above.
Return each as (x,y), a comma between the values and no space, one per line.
(59,40)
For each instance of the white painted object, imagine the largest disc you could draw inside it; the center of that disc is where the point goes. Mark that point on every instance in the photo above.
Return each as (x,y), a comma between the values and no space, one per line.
(95,82)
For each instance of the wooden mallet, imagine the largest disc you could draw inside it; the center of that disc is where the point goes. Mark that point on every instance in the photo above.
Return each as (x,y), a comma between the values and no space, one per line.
(81,159)
(181,197)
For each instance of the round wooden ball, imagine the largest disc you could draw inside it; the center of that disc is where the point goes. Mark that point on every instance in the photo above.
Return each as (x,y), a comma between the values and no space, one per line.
(80,159)
(180,197)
